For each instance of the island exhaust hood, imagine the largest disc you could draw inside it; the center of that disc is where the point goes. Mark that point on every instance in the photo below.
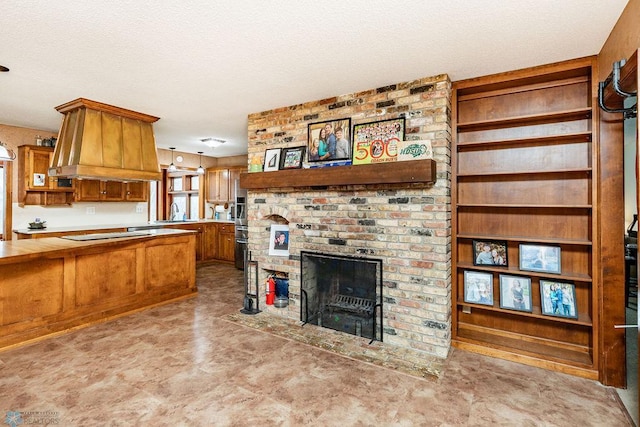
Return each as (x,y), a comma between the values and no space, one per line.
(100,141)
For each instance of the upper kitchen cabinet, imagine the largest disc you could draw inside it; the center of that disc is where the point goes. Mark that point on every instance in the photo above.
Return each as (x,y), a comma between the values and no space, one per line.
(137,191)
(35,186)
(92,190)
(221,184)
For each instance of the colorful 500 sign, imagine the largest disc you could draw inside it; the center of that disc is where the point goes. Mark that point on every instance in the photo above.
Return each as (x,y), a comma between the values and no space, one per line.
(377,142)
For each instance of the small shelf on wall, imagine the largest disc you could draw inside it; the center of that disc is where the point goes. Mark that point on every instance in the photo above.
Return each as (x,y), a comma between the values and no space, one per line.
(577,277)
(414,171)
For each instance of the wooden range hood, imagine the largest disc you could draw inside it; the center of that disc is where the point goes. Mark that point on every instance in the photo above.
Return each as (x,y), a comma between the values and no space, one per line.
(100,141)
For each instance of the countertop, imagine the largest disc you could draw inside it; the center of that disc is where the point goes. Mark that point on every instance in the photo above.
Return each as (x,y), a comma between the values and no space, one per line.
(30,249)
(141,225)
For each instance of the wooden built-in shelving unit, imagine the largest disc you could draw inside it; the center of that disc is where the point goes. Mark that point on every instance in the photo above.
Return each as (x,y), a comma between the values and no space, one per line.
(524,171)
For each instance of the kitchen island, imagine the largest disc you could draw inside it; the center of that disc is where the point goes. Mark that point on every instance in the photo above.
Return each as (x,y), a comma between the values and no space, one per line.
(215,238)
(54,284)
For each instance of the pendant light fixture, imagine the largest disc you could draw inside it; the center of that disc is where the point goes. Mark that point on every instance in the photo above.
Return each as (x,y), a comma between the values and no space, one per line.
(172,167)
(5,153)
(200,169)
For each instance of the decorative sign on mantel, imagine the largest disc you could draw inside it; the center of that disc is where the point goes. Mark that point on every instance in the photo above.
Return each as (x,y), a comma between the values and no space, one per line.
(415,150)
(377,142)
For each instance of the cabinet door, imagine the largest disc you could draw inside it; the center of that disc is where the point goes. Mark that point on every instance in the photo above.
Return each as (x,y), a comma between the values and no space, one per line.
(136,191)
(212,185)
(226,242)
(38,161)
(210,242)
(88,190)
(234,174)
(112,191)
(223,185)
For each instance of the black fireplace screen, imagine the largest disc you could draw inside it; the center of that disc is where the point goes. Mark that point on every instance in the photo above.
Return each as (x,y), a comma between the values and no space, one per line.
(342,293)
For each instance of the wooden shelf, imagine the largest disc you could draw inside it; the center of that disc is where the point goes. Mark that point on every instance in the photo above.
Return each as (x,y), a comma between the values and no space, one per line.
(555,351)
(414,171)
(533,119)
(555,171)
(577,277)
(545,140)
(582,320)
(527,206)
(558,241)
(184,192)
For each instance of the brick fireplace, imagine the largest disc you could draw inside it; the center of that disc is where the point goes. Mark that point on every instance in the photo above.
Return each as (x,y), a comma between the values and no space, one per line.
(405,226)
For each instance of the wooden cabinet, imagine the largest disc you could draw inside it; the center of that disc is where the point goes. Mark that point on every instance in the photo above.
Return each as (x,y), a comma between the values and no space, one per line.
(136,191)
(200,236)
(210,243)
(221,184)
(219,241)
(523,163)
(35,186)
(226,242)
(234,174)
(92,190)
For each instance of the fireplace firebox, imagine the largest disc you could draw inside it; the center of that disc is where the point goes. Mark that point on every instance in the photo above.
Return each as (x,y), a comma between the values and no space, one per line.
(343,293)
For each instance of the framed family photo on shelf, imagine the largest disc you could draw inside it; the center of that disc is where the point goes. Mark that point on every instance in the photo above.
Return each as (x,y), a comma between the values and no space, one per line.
(478,287)
(515,293)
(377,142)
(490,252)
(292,158)
(558,299)
(329,141)
(545,259)
(271,159)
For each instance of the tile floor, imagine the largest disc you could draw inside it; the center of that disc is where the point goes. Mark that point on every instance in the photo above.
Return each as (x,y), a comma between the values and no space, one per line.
(186,364)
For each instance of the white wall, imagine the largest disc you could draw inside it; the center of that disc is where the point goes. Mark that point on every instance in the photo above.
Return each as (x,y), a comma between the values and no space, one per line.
(65,216)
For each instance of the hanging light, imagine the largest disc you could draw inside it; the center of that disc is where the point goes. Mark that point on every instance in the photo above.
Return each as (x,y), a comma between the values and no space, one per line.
(5,153)
(172,167)
(200,169)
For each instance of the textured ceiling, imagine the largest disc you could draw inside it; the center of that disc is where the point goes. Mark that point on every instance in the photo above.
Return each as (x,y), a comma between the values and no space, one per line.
(202,66)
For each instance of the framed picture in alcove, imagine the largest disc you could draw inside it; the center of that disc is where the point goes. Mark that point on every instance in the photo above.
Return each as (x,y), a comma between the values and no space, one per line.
(279,240)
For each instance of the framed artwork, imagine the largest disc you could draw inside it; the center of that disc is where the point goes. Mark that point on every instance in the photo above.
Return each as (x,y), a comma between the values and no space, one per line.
(558,299)
(291,158)
(279,243)
(478,287)
(329,141)
(545,259)
(38,179)
(271,159)
(490,252)
(515,293)
(377,142)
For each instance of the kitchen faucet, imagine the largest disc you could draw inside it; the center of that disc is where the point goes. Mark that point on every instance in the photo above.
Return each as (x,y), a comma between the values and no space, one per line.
(174,211)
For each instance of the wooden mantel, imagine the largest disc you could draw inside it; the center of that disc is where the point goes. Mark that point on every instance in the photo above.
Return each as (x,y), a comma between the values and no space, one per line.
(414,171)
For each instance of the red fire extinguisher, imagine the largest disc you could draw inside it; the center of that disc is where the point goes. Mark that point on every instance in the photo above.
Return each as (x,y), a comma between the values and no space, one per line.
(271,290)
